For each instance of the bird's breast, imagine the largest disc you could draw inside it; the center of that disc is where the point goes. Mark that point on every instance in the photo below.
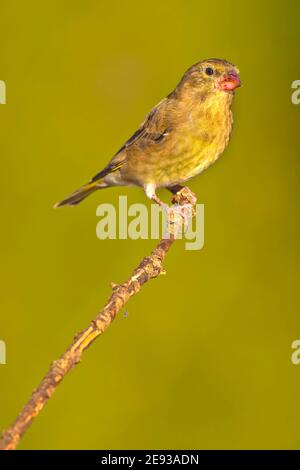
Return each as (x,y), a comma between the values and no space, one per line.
(206,136)
(195,139)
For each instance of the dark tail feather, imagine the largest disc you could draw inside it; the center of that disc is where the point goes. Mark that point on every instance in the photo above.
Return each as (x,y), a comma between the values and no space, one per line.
(80,194)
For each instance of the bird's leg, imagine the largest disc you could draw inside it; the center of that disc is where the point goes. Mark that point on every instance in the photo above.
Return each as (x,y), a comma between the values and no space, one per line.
(174,218)
(178,213)
(175,189)
(151,194)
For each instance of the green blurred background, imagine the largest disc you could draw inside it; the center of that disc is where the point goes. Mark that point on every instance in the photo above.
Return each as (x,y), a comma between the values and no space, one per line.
(203,359)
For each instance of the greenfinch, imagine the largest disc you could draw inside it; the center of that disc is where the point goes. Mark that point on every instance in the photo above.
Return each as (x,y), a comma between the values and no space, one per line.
(182,136)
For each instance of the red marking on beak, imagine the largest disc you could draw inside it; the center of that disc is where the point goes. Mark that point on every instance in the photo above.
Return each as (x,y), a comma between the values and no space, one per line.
(229,82)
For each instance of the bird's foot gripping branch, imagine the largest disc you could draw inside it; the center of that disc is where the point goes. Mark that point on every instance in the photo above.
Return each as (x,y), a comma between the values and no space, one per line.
(144,221)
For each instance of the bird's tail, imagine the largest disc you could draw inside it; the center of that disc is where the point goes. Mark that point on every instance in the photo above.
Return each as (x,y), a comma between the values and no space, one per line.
(81,193)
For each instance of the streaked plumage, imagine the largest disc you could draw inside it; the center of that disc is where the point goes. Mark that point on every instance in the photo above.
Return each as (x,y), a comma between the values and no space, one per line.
(181,137)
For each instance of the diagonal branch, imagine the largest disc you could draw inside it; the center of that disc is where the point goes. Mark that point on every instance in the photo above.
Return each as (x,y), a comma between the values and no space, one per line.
(149,268)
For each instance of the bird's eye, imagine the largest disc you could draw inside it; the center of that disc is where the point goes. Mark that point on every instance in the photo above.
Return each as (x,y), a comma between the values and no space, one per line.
(209,71)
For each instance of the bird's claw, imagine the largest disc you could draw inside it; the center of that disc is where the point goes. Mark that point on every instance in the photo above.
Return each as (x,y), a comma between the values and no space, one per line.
(184,194)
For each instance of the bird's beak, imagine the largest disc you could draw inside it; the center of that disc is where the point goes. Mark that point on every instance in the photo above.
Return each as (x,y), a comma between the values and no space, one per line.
(229,81)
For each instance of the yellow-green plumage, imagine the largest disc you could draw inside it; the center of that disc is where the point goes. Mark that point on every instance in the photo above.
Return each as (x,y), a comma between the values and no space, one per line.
(183,135)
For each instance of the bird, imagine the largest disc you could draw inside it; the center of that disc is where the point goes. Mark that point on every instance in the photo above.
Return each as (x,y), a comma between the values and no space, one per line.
(182,136)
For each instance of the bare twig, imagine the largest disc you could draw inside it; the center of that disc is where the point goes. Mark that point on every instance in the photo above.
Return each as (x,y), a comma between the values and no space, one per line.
(150,267)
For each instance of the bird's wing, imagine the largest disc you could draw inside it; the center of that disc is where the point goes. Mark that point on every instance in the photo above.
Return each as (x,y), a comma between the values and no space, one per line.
(152,130)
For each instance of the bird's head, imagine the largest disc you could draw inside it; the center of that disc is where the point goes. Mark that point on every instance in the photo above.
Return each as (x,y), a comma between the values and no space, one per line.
(212,75)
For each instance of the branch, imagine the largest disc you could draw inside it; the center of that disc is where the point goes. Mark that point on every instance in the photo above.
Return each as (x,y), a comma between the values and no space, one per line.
(149,268)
